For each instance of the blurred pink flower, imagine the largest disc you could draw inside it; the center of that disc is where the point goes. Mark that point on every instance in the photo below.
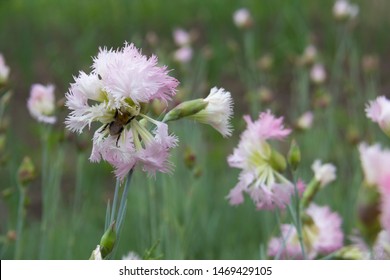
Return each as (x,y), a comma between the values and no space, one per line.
(379,111)
(264,184)
(318,74)
(183,55)
(41,103)
(181,37)
(384,188)
(322,235)
(4,70)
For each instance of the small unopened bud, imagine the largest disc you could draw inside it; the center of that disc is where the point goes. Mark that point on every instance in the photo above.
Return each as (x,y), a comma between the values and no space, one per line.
(265,95)
(277,161)
(198,172)
(26,172)
(189,158)
(7,192)
(351,252)
(185,109)
(5,98)
(294,155)
(2,143)
(108,241)
(265,62)
(11,235)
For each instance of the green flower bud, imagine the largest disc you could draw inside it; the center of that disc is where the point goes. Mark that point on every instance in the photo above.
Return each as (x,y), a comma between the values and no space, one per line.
(185,109)
(26,171)
(277,161)
(294,155)
(108,241)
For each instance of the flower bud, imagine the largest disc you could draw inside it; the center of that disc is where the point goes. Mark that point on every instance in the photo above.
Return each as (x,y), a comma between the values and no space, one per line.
(26,171)
(185,109)
(294,155)
(189,158)
(277,161)
(108,241)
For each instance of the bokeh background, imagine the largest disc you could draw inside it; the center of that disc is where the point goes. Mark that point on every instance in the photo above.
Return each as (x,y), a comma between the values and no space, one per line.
(49,42)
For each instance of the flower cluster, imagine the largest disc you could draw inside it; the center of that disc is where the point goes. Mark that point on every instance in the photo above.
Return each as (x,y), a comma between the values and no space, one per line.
(260,164)
(115,94)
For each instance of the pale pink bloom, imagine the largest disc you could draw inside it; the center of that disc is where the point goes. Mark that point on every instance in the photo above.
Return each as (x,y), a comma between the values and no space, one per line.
(342,10)
(324,173)
(242,18)
(321,236)
(375,162)
(183,55)
(126,73)
(379,111)
(305,121)
(181,37)
(318,73)
(152,154)
(4,70)
(218,111)
(266,186)
(41,103)
(115,91)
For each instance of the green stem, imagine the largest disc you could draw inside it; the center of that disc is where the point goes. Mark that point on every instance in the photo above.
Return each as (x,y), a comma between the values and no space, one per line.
(45,132)
(20,222)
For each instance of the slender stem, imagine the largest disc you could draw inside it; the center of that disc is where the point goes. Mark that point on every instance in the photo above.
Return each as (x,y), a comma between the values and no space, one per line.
(115,201)
(121,210)
(20,222)
(44,189)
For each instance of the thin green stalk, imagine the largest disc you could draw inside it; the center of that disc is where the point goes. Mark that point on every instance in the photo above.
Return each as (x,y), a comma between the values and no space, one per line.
(45,132)
(76,203)
(20,222)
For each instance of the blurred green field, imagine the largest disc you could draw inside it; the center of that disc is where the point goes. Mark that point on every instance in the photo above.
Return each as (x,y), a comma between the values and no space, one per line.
(47,41)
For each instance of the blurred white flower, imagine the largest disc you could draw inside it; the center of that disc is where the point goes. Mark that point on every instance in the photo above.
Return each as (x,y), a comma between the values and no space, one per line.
(181,37)
(379,111)
(96,255)
(305,121)
(4,70)
(318,74)
(324,173)
(131,256)
(183,55)
(242,18)
(41,103)
(343,9)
